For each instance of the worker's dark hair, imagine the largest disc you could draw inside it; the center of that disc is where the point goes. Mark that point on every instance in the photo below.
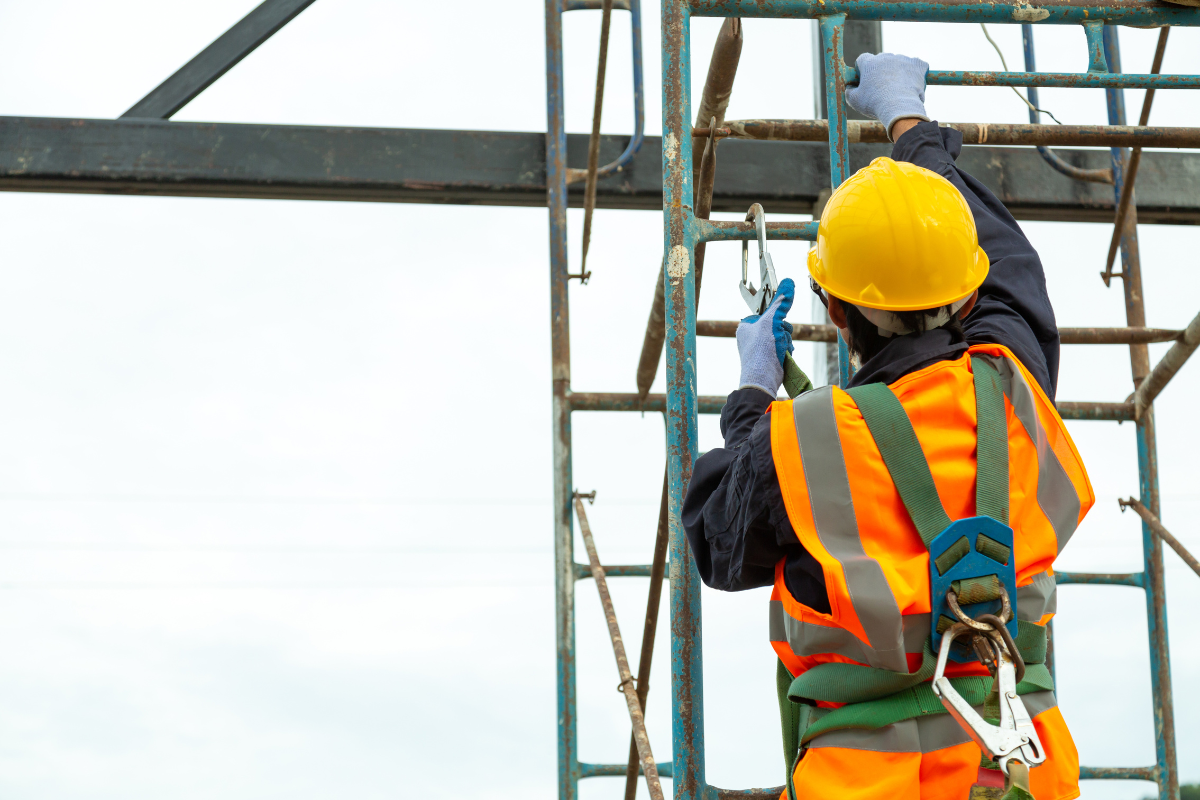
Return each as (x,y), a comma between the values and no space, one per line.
(865,341)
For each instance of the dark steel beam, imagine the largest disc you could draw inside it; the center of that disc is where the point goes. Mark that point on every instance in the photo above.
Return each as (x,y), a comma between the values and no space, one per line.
(218,58)
(156,157)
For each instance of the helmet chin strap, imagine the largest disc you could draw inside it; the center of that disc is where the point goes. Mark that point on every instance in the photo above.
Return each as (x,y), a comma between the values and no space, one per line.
(889,324)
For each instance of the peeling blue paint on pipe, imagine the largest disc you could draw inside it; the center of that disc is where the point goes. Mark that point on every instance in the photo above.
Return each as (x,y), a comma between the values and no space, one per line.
(1053,12)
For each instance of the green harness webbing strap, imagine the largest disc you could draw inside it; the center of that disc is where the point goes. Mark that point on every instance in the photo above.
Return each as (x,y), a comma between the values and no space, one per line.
(917,701)
(789,714)
(858,683)
(991,424)
(902,454)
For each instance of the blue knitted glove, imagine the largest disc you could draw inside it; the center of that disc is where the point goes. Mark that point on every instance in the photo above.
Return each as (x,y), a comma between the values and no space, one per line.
(764,339)
(890,88)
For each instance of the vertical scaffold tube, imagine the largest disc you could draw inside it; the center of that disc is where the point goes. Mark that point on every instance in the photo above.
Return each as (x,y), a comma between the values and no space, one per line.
(1135,312)
(560,349)
(687,685)
(832,28)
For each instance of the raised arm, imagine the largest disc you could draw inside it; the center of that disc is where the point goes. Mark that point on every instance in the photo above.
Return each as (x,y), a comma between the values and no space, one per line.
(1014,307)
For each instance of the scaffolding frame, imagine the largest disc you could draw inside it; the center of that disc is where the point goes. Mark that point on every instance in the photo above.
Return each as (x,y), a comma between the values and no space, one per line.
(686,231)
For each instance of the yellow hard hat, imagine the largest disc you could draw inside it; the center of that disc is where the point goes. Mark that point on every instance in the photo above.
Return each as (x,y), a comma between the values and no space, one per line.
(897,237)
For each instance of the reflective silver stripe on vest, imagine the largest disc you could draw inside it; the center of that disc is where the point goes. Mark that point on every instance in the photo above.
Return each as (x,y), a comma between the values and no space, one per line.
(920,735)
(1055,493)
(810,639)
(1038,598)
(833,517)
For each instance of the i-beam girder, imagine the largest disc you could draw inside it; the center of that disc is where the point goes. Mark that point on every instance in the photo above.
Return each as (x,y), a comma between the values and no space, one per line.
(297,162)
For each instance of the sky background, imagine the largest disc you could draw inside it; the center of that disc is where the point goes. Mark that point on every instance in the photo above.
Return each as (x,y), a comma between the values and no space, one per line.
(275,475)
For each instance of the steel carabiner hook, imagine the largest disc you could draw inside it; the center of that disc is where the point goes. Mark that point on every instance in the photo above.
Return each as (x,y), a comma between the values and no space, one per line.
(758,299)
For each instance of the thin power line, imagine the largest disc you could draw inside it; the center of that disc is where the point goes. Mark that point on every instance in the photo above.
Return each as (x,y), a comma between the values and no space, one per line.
(1004,64)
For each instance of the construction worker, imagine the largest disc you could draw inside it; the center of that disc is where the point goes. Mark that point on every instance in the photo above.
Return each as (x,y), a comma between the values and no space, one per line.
(942,302)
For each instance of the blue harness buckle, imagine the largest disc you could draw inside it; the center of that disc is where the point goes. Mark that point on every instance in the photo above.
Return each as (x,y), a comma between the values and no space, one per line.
(968,560)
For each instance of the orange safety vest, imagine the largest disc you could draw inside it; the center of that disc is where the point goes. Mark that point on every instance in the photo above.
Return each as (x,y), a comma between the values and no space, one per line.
(847,513)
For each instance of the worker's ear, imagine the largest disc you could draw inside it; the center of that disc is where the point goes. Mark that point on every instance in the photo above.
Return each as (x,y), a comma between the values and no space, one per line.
(966,309)
(837,314)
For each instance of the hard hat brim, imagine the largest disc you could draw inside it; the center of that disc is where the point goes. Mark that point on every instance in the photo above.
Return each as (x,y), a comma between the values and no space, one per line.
(973,280)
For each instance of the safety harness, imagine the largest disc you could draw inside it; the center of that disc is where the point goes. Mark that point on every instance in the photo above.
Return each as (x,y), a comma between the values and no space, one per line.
(972,575)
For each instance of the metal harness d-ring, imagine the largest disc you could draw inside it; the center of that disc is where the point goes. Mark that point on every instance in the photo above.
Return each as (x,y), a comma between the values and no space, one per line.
(1015,739)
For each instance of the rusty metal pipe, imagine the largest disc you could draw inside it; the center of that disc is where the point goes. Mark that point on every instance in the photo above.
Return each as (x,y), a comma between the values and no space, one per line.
(828,333)
(589,192)
(1135,160)
(722,69)
(974,133)
(649,767)
(712,404)
(1165,369)
(649,630)
(1156,525)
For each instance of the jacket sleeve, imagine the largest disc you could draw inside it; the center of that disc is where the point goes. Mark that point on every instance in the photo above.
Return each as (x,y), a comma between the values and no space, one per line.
(1013,307)
(734,515)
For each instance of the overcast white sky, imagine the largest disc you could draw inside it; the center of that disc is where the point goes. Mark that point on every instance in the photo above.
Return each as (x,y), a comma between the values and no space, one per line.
(274,507)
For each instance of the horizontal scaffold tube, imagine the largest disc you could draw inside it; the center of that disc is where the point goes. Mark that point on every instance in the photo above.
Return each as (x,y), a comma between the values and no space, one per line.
(716,231)
(828,333)
(870,132)
(712,404)
(1047,12)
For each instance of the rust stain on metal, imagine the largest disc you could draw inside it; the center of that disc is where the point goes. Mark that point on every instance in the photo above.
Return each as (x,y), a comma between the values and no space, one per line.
(642,740)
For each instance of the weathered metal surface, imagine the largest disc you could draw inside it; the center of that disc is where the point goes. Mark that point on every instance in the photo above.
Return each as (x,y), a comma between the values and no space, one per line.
(593,166)
(714,100)
(554,167)
(745,794)
(1118,773)
(218,58)
(974,133)
(801,332)
(687,663)
(1171,362)
(153,157)
(1156,525)
(1135,160)
(1093,31)
(1066,80)
(728,231)
(1102,175)
(712,404)
(1147,449)
(622,161)
(1135,579)
(583,571)
(828,333)
(1117,335)
(1047,12)
(627,686)
(649,631)
(614,770)
(630,401)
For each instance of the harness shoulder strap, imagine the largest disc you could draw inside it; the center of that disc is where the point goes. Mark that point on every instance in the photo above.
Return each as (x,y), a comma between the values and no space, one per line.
(902,454)
(991,482)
